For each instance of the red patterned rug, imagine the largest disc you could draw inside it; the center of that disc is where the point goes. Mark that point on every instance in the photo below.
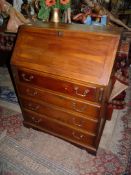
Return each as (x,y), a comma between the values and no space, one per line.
(26,151)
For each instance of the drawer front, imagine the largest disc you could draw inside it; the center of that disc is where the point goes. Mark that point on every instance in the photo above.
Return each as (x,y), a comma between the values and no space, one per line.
(57,128)
(59,100)
(80,91)
(62,116)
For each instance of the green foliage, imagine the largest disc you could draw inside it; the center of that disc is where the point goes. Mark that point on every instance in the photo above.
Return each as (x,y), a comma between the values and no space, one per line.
(44,11)
(65,7)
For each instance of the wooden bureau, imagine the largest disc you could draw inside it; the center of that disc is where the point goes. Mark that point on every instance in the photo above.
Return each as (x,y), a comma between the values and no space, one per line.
(62,75)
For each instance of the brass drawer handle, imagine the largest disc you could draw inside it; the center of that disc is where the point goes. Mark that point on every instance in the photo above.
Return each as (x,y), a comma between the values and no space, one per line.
(80,124)
(79,137)
(28,79)
(84,93)
(78,110)
(35,120)
(34,93)
(33,108)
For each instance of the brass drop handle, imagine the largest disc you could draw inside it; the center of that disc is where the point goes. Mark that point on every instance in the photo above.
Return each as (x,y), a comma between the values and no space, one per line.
(79,137)
(33,93)
(36,120)
(84,93)
(33,107)
(80,124)
(28,79)
(78,110)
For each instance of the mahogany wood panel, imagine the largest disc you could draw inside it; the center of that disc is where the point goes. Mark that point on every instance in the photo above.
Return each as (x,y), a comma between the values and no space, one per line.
(80,121)
(62,130)
(58,99)
(62,74)
(82,55)
(69,88)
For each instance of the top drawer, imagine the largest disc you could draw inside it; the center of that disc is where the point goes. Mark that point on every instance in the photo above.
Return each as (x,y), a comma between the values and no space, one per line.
(81,91)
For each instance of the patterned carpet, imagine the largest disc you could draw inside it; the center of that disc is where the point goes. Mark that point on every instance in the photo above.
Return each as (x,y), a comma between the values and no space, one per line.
(28,152)
(7,94)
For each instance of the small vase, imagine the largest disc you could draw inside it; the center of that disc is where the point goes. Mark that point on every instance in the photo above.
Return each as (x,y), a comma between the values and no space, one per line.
(55,15)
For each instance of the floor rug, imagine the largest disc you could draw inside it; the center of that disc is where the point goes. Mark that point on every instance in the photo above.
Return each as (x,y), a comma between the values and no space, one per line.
(8,96)
(26,151)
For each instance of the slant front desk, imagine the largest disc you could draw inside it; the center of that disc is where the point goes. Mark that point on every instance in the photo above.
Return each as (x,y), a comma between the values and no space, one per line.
(62,75)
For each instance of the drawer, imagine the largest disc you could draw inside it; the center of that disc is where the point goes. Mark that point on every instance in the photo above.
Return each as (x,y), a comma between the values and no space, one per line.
(61,115)
(58,129)
(60,100)
(90,93)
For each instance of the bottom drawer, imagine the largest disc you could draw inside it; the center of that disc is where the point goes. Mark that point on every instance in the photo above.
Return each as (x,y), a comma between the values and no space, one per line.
(43,123)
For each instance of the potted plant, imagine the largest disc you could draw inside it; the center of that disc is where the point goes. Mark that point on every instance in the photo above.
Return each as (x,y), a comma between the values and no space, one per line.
(54,6)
